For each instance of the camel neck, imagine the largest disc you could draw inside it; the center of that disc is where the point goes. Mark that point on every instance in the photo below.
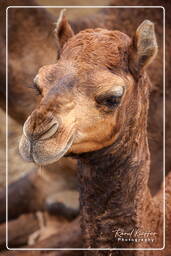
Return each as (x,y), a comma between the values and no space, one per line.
(113,188)
(114,194)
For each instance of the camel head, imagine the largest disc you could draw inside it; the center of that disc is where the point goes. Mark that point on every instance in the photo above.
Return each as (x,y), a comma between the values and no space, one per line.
(89,94)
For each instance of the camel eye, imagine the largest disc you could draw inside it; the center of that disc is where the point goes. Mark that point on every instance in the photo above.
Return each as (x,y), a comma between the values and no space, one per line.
(36,89)
(112,98)
(35,86)
(111,101)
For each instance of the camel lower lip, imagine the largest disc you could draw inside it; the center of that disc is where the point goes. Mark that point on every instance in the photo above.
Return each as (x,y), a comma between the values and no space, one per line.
(51,159)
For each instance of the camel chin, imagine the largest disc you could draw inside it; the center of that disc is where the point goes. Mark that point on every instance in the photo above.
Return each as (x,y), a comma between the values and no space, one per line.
(44,152)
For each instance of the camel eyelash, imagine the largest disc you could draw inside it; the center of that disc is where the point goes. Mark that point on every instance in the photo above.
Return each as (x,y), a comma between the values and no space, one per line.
(111,100)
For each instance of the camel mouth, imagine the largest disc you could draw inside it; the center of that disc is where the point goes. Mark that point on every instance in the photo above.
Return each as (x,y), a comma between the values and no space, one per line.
(44,152)
(54,158)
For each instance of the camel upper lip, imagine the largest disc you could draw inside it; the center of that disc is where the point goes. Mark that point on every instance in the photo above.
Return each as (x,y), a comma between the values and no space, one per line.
(47,134)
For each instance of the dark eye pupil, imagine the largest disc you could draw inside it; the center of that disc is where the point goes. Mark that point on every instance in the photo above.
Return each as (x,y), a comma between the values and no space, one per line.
(112,101)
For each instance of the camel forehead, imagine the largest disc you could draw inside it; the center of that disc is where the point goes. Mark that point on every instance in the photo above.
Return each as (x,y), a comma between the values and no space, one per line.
(85,58)
(61,81)
(98,47)
(51,74)
(70,87)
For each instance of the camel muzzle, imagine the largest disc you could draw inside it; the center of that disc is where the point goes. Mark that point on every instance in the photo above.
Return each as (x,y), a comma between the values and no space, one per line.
(42,134)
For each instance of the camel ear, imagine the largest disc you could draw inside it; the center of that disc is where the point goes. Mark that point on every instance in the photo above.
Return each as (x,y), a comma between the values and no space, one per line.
(63,30)
(144,47)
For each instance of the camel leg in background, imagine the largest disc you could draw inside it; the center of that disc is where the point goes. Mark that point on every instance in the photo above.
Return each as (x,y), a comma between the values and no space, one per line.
(34,191)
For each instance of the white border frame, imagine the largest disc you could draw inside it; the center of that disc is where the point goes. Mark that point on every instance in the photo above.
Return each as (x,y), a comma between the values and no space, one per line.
(164,197)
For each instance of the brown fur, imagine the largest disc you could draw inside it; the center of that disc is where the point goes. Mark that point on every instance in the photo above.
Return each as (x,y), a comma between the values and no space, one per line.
(87,73)
(129,26)
(107,18)
(110,143)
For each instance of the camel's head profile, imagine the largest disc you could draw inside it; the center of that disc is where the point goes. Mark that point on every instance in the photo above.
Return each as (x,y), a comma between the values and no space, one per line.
(90,95)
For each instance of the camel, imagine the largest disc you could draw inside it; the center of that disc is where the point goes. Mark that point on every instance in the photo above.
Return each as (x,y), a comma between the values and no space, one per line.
(107,18)
(108,21)
(21,95)
(94,107)
(21,54)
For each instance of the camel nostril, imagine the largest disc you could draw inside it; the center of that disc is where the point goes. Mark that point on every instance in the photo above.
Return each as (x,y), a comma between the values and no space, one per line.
(41,133)
(50,132)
